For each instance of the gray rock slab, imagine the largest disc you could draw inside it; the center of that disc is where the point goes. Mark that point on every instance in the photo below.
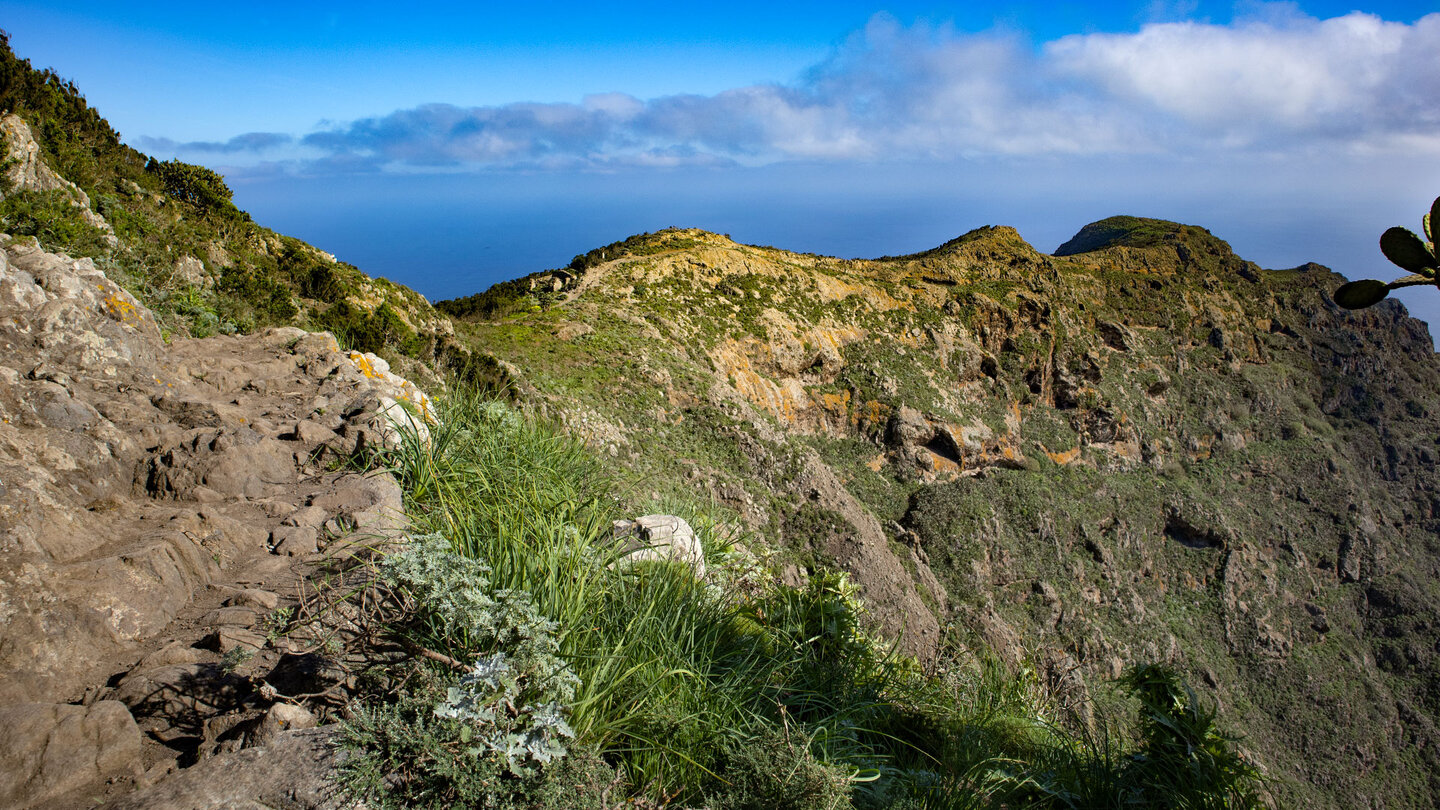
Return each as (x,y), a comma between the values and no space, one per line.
(50,749)
(296,771)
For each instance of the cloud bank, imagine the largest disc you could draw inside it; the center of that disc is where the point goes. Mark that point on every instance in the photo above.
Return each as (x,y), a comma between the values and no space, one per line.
(248,142)
(1283,83)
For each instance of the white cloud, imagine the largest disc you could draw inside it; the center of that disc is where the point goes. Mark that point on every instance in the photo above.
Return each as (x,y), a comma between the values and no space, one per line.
(253,142)
(1275,80)
(1346,78)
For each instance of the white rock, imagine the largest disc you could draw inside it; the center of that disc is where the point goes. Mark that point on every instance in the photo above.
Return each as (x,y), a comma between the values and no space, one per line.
(661,537)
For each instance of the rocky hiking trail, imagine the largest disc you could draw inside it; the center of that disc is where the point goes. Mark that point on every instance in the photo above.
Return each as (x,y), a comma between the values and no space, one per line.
(166,511)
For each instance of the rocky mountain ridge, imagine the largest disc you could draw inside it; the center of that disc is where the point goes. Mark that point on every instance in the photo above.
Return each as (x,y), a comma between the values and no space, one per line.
(1139,448)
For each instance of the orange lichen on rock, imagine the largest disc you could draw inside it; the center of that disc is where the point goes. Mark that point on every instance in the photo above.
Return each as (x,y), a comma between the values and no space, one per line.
(123,309)
(837,406)
(1064,457)
(406,393)
(870,413)
(362,362)
(943,466)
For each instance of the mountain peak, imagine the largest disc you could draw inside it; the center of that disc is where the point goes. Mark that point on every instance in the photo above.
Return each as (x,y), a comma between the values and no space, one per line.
(1138,232)
(985,238)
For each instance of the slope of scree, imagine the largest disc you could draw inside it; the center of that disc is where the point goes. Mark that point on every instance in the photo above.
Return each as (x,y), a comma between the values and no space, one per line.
(1142,448)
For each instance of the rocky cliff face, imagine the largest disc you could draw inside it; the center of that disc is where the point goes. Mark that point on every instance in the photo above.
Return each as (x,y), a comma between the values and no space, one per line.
(27,171)
(1141,448)
(157,503)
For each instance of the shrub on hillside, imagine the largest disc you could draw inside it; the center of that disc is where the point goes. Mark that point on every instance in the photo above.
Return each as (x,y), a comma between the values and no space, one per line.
(196,185)
(370,331)
(776,770)
(500,300)
(256,297)
(489,738)
(1184,760)
(405,755)
(52,218)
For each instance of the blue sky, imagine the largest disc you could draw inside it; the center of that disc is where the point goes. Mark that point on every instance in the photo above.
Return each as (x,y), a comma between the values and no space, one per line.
(452,147)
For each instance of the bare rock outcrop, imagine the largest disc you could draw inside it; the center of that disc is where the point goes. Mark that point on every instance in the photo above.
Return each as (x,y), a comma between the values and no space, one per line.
(51,749)
(292,772)
(27,171)
(157,503)
(661,537)
(864,552)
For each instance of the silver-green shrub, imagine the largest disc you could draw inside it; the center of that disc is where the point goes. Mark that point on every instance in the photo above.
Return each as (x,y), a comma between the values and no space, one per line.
(503,719)
(486,699)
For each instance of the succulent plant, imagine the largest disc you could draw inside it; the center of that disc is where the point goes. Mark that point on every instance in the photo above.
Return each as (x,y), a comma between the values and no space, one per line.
(1405,250)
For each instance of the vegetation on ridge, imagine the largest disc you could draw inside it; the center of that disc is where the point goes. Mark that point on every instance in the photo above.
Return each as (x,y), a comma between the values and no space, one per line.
(180,244)
(735,691)
(1128,231)
(1138,453)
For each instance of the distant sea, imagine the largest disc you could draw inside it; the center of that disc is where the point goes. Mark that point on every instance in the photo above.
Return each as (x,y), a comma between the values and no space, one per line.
(449,235)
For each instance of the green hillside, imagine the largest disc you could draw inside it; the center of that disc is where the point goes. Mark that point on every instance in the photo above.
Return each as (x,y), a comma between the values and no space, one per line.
(1135,524)
(181,245)
(1149,450)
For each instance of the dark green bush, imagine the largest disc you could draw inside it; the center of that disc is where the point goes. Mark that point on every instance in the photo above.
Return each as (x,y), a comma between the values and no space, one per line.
(479,371)
(505,298)
(317,280)
(196,185)
(52,218)
(776,770)
(1184,760)
(268,301)
(370,331)
(314,276)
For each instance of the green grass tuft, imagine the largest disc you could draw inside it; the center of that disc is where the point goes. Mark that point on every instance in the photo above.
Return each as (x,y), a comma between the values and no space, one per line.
(731,692)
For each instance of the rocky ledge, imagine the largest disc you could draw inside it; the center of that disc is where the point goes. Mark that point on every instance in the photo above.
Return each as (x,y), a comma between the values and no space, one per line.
(163,506)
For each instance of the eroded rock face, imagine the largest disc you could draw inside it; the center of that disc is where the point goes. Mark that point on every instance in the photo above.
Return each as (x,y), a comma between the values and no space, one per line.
(28,172)
(293,771)
(863,551)
(136,477)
